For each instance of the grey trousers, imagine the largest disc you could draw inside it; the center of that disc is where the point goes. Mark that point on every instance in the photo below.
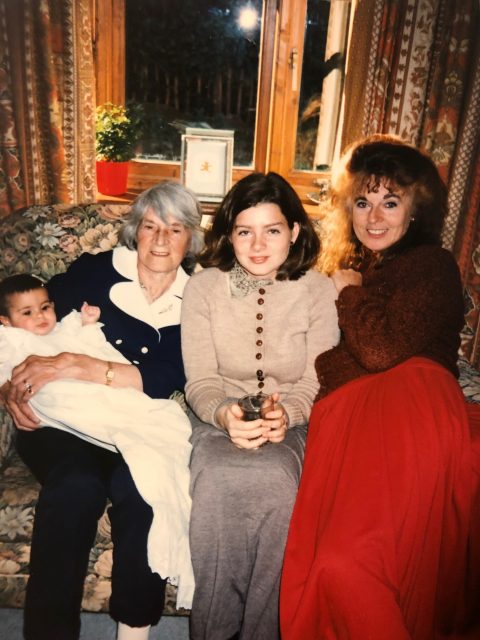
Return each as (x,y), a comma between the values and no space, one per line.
(242,503)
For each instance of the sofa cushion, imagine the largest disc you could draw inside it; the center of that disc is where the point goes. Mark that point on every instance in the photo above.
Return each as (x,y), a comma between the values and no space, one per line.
(44,240)
(469,381)
(18,496)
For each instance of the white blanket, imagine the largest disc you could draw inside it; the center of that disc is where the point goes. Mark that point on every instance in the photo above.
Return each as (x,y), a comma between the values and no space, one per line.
(152,436)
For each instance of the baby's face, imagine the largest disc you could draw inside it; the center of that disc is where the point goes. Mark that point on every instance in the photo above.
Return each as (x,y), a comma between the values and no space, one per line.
(32,311)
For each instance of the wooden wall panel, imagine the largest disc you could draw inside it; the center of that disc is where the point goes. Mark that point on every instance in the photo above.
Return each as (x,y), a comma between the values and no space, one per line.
(109,50)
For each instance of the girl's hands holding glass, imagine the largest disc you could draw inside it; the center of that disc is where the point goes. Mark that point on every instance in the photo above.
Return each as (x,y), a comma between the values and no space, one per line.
(270,426)
(275,418)
(244,434)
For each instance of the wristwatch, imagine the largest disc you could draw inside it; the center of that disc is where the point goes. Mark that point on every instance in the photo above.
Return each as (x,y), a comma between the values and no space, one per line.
(109,374)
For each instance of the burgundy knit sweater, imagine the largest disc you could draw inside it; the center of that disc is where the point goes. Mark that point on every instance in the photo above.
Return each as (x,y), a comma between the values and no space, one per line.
(409,305)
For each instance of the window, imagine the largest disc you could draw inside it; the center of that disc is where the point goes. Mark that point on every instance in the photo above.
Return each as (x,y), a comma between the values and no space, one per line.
(273,75)
(197,67)
(323,66)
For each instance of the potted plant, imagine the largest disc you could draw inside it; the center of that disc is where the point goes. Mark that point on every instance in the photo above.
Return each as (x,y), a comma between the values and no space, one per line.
(117,131)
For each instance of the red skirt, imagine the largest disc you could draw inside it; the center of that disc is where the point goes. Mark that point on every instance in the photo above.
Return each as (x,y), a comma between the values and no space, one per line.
(380,540)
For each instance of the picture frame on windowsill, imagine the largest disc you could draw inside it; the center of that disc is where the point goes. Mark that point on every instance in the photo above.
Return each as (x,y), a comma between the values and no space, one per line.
(207,161)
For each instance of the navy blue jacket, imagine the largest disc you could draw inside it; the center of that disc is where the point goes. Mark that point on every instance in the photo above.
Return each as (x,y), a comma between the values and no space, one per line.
(157,354)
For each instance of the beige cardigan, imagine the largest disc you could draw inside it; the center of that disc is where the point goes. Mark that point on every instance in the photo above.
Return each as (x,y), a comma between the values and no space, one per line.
(226,340)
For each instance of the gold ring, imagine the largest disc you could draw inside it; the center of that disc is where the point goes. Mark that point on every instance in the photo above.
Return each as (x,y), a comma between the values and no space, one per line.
(28,387)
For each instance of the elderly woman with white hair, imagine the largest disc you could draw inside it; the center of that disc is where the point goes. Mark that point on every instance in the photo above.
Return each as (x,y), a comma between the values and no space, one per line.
(139,288)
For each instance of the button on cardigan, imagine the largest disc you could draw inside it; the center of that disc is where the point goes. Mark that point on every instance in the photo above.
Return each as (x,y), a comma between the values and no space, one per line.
(295,321)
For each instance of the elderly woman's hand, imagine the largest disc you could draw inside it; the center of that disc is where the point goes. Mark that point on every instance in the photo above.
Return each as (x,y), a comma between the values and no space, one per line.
(27,378)
(21,413)
(346,277)
(36,371)
(245,435)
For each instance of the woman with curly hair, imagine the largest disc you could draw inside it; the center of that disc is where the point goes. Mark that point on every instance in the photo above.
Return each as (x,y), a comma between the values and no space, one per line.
(379,539)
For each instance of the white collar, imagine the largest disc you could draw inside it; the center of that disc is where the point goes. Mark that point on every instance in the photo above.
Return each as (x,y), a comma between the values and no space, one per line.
(129,297)
(125,262)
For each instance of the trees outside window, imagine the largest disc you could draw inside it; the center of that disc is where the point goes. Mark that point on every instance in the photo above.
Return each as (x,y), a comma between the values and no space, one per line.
(273,74)
(196,67)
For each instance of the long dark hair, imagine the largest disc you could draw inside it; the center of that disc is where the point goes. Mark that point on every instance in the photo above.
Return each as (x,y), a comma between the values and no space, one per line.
(254,189)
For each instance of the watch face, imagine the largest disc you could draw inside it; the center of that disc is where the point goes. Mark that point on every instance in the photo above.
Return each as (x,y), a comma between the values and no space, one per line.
(110,374)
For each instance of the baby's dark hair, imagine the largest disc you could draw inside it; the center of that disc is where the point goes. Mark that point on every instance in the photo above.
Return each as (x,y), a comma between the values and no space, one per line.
(19,283)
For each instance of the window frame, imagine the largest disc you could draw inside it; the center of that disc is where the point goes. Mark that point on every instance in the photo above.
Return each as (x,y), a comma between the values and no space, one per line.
(277,100)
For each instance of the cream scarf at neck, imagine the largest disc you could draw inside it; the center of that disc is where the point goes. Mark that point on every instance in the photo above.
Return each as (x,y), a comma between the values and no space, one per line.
(242,283)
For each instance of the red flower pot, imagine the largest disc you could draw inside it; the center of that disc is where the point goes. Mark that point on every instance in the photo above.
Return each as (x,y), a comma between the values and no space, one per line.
(112,177)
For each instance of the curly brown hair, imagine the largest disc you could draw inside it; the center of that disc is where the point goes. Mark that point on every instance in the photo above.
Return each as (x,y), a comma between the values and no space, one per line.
(388,161)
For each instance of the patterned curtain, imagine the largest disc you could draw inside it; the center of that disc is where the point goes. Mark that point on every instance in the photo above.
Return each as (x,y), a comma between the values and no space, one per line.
(46,103)
(421,80)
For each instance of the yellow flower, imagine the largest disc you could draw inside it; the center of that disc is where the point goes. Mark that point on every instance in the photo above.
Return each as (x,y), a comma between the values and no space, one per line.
(117,130)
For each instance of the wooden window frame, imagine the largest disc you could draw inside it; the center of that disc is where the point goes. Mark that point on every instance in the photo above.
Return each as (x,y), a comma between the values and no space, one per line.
(277,101)
(291,38)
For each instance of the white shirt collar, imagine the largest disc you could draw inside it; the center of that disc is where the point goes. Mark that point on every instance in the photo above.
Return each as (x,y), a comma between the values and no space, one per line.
(129,297)
(125,262)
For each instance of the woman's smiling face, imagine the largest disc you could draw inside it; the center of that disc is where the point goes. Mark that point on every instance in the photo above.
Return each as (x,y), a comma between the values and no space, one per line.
(261,239)
(381,218)
(161,246)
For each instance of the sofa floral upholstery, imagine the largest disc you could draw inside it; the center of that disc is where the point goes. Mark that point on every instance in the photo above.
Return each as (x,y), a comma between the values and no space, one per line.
(43,240)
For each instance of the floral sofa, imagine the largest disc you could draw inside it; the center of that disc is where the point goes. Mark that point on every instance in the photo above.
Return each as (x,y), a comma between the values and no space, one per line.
(43,240)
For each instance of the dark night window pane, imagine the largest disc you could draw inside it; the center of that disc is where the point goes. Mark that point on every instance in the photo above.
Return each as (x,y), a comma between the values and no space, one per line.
(193,63)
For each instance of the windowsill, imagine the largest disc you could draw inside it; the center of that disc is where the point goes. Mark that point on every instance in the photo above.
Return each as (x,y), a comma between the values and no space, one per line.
(208,208)
(125,198)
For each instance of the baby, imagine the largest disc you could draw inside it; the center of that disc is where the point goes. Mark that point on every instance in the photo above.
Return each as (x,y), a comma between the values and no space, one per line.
(151,434)
(24,303)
